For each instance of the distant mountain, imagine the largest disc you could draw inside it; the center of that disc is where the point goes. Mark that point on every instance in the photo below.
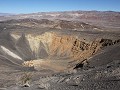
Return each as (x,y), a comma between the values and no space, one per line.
(5,14)
(107,19)
(52,24)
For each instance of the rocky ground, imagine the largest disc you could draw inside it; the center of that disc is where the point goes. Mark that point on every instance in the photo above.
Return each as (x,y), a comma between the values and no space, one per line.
(55,54)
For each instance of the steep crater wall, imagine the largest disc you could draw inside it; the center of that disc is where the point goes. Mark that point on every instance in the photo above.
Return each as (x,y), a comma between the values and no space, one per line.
(51,50)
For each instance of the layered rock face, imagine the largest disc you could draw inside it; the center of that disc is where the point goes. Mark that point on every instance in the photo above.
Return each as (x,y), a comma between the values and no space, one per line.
(60,46)
(61,51)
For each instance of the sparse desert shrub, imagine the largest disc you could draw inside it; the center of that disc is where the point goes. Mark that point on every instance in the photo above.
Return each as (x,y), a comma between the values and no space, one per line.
(25,79)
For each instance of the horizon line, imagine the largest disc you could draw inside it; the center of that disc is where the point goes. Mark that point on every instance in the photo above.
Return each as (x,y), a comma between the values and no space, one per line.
(59,11)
